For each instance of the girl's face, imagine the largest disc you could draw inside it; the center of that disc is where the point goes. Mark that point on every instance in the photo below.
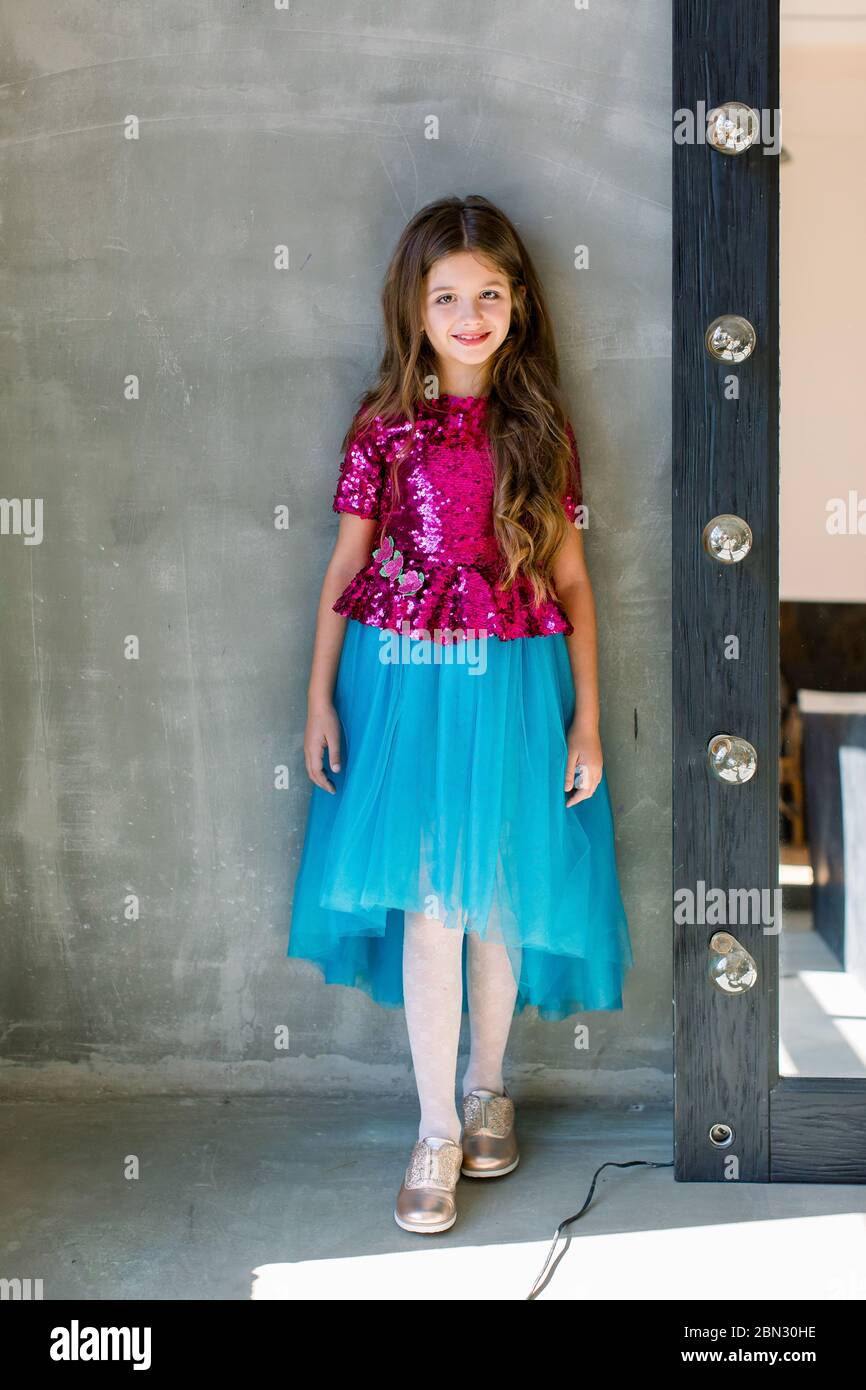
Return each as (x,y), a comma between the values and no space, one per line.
(466,310)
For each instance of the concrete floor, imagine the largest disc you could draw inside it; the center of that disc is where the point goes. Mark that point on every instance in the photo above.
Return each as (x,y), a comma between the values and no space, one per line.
(274,1198)
(822,1007)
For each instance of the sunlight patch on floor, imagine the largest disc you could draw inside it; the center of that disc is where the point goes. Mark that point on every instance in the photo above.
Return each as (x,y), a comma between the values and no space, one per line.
(819,1257)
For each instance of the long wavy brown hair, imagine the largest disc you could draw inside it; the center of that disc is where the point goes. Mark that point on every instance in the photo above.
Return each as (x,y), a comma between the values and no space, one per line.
(526,415)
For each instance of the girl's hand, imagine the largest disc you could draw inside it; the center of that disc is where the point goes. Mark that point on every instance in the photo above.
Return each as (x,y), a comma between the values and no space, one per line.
(322,731)
(584,747)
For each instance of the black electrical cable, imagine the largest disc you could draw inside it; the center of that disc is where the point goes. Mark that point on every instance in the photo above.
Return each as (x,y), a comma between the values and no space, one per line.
(546,1274)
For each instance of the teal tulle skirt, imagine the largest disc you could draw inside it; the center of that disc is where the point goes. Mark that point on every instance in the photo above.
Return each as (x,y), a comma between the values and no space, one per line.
(450,803)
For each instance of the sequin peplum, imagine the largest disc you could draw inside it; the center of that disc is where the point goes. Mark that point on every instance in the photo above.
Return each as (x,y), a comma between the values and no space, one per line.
(437,564)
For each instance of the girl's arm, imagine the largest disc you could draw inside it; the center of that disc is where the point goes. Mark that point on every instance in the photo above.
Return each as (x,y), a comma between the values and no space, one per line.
(352,550)
(574,591)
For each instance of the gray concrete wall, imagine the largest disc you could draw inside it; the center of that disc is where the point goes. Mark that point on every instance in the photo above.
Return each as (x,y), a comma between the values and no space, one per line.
(154,258)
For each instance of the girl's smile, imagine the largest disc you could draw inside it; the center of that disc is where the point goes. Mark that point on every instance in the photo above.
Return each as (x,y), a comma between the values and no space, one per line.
(471,339)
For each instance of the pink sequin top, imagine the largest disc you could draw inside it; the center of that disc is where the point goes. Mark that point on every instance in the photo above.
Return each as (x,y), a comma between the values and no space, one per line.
(436,564)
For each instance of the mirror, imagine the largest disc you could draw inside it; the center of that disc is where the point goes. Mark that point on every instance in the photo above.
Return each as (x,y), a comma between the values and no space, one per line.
(822,531)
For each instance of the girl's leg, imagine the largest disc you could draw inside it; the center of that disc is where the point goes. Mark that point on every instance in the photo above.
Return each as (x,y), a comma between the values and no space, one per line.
(492,996)
(433,994)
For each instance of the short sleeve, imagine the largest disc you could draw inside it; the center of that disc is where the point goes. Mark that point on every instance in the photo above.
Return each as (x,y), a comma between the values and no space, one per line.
(574,494)
(362,474)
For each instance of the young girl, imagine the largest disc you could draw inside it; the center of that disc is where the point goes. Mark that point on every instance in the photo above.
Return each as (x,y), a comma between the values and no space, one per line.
(459,853)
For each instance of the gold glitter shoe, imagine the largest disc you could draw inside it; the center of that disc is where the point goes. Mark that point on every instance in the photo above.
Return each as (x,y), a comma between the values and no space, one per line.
(489,1137)
(426,1201)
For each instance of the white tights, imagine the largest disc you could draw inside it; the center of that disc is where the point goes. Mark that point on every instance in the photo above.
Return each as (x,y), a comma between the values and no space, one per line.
(433,993)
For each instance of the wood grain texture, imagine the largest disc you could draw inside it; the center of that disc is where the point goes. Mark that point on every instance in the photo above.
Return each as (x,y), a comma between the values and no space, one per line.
(818,1129)
(725,459)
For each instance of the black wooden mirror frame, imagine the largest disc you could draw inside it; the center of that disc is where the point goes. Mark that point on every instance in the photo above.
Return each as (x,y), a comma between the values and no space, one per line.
(726,460)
